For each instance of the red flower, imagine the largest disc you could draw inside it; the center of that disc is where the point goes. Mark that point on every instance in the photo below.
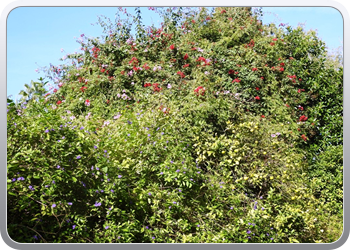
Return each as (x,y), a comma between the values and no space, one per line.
(83,88)
(282,64)
(122,72)
(223,11)
(272,44)
(230,18)
(299,90)
(262,78)
(275,39)
(257,88)
(186,57)
(58,103)
(236,80)
(255,69)
(231,71)
(193,21)
(201,59)
(146,67)
(257,98)
(156,87)
(287,105)
(87,102)
(281,69)
(186,65)
(147,85)
(199,90)
(134,61)
(55,90)
(181,74)
(103,70)
(299,79)
(304,137)
(172,47)
(303,118)
(262,116)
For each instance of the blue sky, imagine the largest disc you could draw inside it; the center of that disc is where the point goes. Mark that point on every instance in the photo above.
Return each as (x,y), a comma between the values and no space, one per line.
(36,35)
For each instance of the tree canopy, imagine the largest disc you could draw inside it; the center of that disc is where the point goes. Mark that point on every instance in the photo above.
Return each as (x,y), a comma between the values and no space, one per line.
(213,127)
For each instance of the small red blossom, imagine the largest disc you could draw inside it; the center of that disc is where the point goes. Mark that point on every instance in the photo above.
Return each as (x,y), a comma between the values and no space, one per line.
(231,71)
(199,90)
(304,137)
(193,21)
(83,88)
(223,11)
(58,102)
(186,57)
(262,77)
(262,116)
(122,72)
(272,44)
(257,98)
(255,69)
(300,90)
(275,39)
(236,80)
(55,90)
(87,102)
(172,47)
(181,74)
(230,18)
(281,69)
(156,87)
(303,118)
(147,85)
(287,105)
(146,67)
(186,65)
(103,70)
(282,64)
(257,88)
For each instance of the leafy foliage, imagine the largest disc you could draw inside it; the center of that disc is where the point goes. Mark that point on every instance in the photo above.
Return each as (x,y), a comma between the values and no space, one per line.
(211,128)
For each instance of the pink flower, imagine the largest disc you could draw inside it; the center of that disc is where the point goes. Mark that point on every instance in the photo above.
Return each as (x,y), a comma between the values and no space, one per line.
(87,102)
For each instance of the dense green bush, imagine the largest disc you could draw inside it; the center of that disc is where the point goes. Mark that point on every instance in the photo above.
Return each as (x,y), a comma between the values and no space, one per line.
(210,128)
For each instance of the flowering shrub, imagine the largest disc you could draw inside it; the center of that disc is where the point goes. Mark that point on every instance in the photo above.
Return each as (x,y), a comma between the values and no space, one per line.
(131,147)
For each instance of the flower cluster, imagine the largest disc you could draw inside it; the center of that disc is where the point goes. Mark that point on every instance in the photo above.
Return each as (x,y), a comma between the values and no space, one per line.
(303,118)
(200,90)
(95,51)
(181,74)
